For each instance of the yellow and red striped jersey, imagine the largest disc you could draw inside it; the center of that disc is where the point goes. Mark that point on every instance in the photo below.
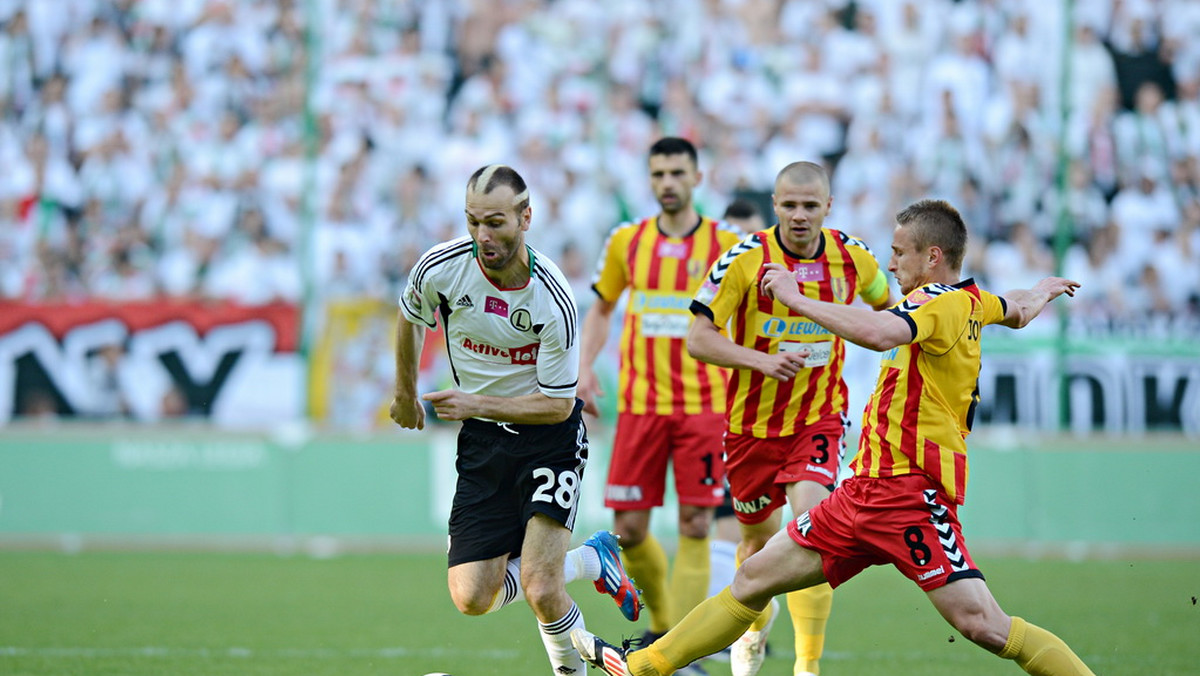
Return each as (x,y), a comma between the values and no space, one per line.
(842,268)
(921,412)
(657,376)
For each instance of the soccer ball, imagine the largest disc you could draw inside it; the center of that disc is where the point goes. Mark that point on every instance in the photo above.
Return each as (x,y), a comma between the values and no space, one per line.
(438,674)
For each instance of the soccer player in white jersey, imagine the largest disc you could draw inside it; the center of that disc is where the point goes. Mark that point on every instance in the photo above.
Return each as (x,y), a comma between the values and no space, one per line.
(511,332)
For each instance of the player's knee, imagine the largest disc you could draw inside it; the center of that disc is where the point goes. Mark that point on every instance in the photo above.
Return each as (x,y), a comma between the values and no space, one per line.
(696,526)
(631,529)
(751,585)
(541,593)
(631,537)
(471,603)
(751,545)
(987,632)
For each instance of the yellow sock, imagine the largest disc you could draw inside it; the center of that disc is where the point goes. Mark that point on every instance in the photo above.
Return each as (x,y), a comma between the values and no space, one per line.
(712,625)
(809,609)
(646,563)
(760,622)
(1040,652)
(689,578)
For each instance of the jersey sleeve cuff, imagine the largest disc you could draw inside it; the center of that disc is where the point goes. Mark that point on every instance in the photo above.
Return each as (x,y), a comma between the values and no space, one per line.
(596,290)
(912,326)
(699,308)
(414,317)
(558,391)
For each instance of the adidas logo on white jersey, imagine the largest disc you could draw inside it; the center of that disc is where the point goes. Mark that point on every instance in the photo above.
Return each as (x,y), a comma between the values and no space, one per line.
(465,301)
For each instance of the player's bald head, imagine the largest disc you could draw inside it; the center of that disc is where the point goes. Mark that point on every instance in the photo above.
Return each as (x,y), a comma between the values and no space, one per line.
(487,179)
(803,173)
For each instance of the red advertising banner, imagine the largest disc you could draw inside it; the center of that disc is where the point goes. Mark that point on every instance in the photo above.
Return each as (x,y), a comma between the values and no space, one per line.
(61,318)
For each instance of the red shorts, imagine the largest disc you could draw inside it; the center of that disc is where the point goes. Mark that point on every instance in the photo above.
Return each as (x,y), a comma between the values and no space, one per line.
(760,469)
(644,444)
(906,521)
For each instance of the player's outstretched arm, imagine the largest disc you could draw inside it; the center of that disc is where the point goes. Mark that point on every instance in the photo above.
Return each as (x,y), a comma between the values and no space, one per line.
(592,336)
(868,328)
(706,343)
(1025,304)
(528,409)
(407,410)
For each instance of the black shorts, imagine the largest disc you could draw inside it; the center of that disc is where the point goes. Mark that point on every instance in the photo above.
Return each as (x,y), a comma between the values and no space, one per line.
(506,474)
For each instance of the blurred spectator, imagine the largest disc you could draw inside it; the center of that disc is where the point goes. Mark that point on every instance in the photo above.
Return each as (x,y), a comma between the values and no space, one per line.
(1135,40)
(174,404)
(572,263)
(742,214)
(1143,135)
(1093,262)
(1092,70)
(959,78)
(1142,207)
(38,404)
(106,383)
(1012,261)
(257,270)
(814,109)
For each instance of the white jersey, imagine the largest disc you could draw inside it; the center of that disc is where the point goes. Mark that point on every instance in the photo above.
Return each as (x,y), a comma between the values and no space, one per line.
(501,342)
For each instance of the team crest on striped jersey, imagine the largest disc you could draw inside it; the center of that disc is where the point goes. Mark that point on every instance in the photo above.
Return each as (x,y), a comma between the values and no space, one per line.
(918,297)
(840,288)
(923,295)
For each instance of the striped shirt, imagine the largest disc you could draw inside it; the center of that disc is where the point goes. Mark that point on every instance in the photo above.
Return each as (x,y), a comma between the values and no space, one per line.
(657,376)
(501,342)
(921,412)
(842,268)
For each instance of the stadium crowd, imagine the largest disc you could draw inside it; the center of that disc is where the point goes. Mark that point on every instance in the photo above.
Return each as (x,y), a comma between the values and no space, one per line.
(162,147)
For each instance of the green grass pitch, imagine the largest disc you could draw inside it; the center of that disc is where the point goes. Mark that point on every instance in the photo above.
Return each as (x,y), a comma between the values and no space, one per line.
(246,614)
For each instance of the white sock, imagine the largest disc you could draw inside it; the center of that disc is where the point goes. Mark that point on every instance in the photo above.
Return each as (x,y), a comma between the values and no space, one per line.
(582,563)
(722,565)
(556,636)
(512,586)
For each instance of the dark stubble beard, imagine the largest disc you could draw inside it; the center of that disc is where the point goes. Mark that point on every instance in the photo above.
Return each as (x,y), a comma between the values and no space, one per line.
(504,261)
(676,208)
